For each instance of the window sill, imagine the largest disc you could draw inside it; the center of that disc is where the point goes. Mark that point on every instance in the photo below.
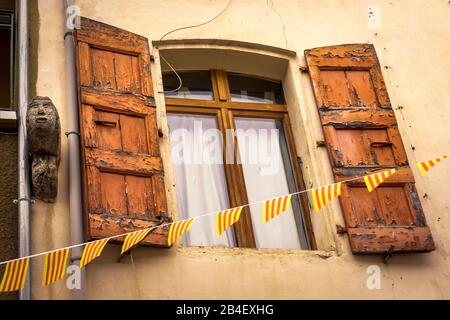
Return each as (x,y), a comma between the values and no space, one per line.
(255,252)
(8,120)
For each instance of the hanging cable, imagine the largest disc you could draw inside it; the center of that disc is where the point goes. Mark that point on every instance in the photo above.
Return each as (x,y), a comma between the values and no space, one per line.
(184,28)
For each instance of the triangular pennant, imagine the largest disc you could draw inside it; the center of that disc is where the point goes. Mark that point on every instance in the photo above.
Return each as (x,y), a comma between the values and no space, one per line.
(323,195)
(91,251)
(15,275)
(178,228)
(425,166)
(374,180)
(273,207)
(226,218)
(55,266)
(133,239)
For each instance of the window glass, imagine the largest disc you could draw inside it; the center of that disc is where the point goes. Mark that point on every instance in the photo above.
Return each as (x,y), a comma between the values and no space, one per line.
(268,174)
(199,176)
(196,85)
(251,89)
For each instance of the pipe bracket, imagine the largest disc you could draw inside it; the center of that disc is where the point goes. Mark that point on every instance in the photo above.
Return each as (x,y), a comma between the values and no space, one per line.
(68,133)
(68,33)
(16,201)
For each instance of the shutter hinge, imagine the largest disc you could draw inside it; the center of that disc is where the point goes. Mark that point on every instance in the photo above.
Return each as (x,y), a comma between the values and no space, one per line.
(388,254)
(299,161)
(321,143)
(340,229)
(304,69)
(160,133)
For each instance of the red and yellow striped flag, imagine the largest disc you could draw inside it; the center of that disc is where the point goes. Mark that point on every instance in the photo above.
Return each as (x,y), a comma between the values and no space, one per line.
(55,266)
(178,228)
(91,251)
(273,207)
(323,195)
(374,180)
(226,218)
(425,166)
(133,239)
(15,275)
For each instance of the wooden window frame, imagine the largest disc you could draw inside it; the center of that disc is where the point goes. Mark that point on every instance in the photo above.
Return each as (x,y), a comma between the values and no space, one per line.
(225,110)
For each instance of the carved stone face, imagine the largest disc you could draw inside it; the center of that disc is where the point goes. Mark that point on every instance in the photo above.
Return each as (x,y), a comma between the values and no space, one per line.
(42,115)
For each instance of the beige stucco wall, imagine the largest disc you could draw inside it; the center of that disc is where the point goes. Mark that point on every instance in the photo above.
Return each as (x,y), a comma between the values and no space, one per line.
(413,46)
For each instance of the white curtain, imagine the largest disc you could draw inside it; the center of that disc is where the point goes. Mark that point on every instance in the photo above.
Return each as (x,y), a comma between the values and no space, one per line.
(265,178)
(199,177)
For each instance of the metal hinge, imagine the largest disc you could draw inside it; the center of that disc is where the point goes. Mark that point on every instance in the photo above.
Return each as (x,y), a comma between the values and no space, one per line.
(340,229)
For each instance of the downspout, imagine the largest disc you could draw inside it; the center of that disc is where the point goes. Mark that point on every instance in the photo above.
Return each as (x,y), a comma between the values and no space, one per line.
(24,200)
(73,137)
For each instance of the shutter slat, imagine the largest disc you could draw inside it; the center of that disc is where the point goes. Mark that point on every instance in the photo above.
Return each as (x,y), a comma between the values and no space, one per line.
(362,136)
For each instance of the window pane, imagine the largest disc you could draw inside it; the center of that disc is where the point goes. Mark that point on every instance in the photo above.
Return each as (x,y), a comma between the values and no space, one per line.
(5,67)
(256,90)
(267,173)
(199,176)
(196,85)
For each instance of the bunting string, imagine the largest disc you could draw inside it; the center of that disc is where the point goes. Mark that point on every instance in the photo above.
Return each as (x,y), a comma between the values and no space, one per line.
(56,260)
(167,224)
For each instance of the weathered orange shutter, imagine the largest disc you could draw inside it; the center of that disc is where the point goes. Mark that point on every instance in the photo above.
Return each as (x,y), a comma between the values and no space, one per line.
(123,171)
(362,136)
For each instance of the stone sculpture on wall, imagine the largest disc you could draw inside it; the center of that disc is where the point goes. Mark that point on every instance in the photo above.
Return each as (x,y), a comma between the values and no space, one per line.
(44,145)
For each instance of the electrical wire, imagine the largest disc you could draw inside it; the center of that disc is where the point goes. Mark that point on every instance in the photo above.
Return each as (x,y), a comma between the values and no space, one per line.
(184,28)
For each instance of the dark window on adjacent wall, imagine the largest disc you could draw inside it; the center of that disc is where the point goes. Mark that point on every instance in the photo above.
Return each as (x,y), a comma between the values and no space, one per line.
(6,59)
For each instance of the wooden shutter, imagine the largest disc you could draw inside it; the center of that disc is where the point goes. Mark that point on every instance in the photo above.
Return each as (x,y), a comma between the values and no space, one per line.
(123,171)
(362,136)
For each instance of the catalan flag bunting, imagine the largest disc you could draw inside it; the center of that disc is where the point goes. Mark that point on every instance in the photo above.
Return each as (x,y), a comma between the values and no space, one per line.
(425,166)
(91,251)
(273,207)
(323,195)
(55,266)
(178,228)
(226,218)
(374,180)
(133,239)
(15,275)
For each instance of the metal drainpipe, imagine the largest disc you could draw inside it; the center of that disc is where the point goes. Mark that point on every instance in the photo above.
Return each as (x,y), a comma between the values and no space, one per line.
(75,197)
(24,199)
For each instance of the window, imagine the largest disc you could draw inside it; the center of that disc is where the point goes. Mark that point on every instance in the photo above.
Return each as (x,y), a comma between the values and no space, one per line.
(6,59)
(231,145)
